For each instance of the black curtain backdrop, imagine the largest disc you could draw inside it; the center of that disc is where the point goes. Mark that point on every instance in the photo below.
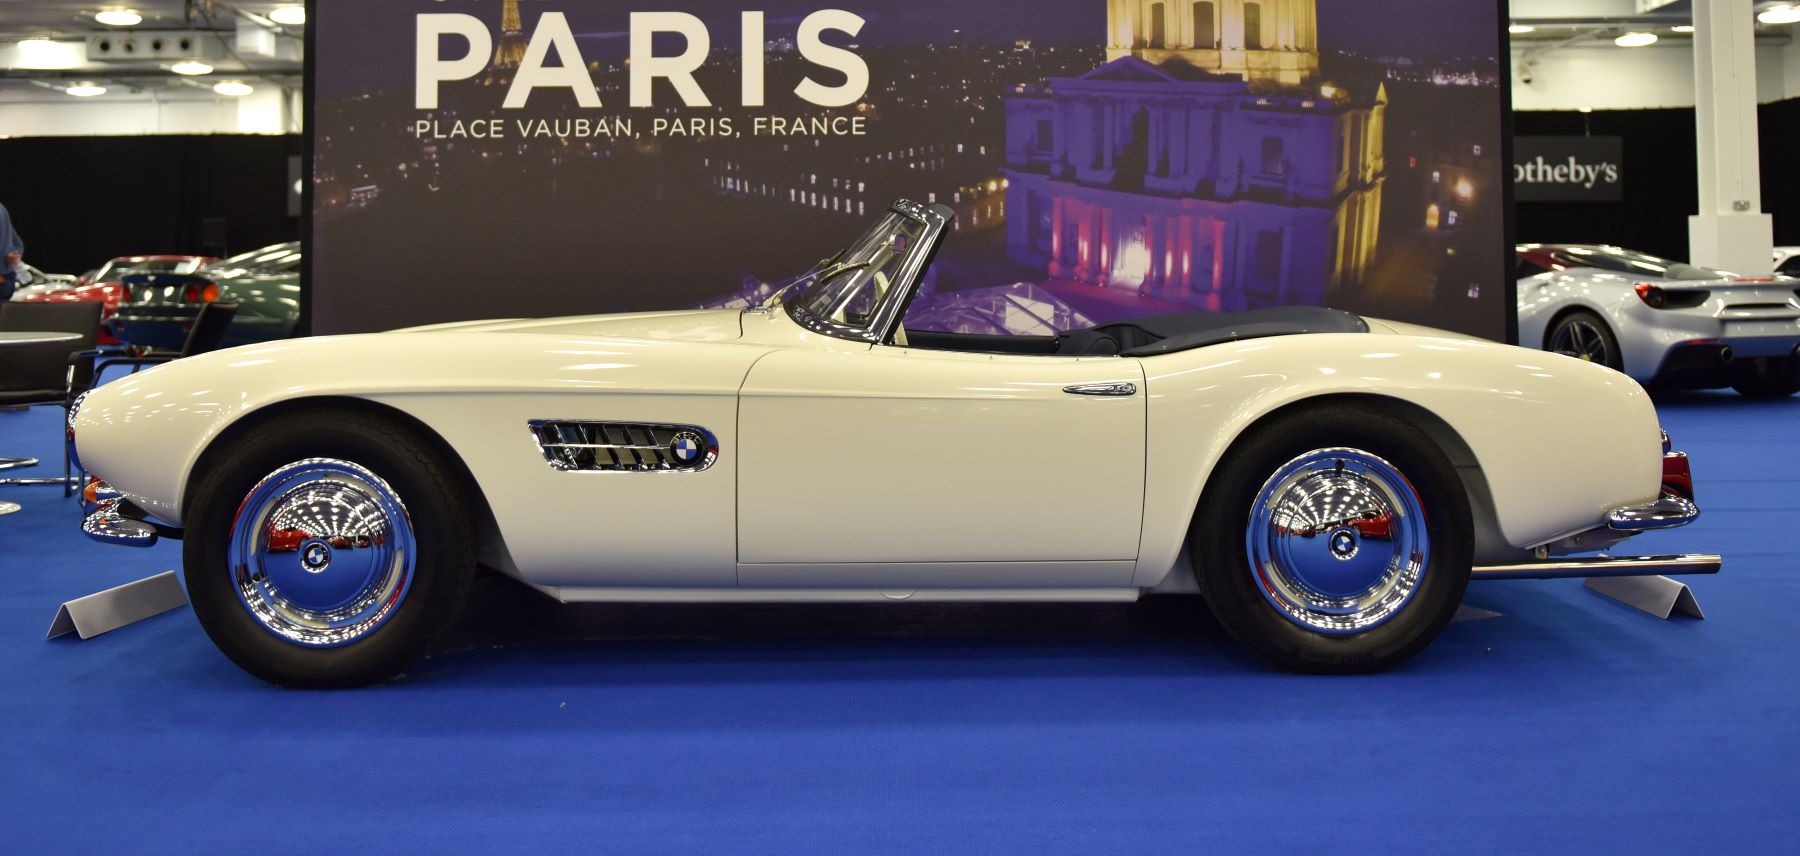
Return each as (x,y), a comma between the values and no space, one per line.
(79,201)
(1661,190)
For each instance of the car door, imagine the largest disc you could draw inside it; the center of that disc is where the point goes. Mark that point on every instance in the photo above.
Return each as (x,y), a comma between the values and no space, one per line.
(898,467)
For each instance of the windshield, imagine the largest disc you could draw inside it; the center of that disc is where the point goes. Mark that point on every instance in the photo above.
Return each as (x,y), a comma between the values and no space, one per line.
(849,295)
(1636,264)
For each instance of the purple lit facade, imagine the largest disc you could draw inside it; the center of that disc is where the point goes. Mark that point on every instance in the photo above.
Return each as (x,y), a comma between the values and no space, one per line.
(1207,163)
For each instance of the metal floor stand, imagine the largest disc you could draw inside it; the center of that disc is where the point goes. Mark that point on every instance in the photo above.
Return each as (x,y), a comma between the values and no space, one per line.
(116,607)
(1658,596)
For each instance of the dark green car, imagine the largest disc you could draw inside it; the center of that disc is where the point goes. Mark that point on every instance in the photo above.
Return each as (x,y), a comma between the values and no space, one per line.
(265,285)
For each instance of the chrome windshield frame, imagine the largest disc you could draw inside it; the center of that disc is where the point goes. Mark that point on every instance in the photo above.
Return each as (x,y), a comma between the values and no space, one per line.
(886,317)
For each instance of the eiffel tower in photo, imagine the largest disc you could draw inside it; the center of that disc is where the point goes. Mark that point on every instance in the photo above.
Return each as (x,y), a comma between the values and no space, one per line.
(511,51)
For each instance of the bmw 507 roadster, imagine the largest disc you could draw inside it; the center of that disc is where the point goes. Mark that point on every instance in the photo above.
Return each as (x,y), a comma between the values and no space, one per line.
(1329,483)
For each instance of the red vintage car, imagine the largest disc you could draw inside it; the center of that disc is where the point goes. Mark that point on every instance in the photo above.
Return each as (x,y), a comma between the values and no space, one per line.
(105,285)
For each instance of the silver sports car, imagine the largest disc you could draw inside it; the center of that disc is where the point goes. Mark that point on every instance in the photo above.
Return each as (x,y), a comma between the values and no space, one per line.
(1662,322)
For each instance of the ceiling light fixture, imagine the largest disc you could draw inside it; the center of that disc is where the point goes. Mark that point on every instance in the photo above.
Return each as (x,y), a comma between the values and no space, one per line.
(191,67)
(119,17)
(1521,29)
(41,53)
(86,90)
(233,88)
(1684,28)
(291,16)
(1784,14)
(1635,40)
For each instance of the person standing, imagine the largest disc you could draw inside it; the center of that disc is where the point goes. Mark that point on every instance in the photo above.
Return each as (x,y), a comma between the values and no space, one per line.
(12,249)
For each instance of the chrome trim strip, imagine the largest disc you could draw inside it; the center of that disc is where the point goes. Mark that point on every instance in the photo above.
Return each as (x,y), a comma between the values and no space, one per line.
(109,526)
(589,446)
(1103,389)
(1602,566)
(1666,513)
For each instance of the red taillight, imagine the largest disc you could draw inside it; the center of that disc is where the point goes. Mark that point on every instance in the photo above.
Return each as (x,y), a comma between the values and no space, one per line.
(124,292)
(201,293)
(1677,478)
(1651,294)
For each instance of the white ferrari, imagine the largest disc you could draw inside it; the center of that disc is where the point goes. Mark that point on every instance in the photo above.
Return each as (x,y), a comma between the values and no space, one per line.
(1665,323)
(1329,483)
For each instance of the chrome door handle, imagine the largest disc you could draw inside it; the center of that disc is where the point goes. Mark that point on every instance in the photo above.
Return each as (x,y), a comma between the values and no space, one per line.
(1102,389)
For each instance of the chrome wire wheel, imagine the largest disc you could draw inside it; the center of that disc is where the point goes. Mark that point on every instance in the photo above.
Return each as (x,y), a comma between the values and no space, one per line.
(1337,541)
(321,553)
(1581,337)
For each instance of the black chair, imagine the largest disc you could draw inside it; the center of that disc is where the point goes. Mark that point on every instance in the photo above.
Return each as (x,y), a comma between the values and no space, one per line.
(207,334)
(46,374)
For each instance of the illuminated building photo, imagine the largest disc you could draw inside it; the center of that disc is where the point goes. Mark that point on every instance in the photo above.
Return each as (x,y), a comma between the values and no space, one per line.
(1107,159)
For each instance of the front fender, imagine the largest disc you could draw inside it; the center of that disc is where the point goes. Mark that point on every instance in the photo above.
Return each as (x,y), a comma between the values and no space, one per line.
(144,432)
(1559,441)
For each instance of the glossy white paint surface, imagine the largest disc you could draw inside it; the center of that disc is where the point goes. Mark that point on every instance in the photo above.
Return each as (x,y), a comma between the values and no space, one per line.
(921,456)
(845,467)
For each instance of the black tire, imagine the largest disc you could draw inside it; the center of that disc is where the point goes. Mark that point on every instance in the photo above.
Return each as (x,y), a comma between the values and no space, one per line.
(441,525)
(1583,335)
(1223,565)
(1768,377)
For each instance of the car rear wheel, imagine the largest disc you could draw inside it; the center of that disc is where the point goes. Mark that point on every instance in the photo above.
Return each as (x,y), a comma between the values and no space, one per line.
(328,549)
(1334,540)
(1582,335)
(1766,377)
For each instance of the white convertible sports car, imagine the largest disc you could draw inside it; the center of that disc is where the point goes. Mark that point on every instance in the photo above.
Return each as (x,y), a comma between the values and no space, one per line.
(1329,483)
(1662,322)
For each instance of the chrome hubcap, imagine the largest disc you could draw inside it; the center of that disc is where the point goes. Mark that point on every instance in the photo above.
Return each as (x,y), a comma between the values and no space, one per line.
(321,553)
(1337,541)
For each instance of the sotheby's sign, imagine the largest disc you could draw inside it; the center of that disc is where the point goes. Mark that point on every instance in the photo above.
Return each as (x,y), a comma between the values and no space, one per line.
(1569,169)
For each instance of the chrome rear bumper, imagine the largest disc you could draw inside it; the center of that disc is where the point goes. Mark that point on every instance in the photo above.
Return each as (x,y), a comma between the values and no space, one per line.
(1667,512)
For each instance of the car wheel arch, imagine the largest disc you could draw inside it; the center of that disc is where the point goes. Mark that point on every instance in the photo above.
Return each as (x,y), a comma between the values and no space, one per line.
(491,543)
(1489,541)
(1600,314)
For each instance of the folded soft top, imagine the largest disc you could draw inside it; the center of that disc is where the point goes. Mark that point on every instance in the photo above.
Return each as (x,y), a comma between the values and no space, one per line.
(1185,331)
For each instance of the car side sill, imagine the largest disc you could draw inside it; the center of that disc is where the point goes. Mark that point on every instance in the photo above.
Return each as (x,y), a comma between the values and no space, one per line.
(1601,566)
(736,595)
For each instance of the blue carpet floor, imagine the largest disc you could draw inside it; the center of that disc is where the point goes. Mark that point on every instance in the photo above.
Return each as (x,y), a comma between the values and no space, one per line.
(1569,724)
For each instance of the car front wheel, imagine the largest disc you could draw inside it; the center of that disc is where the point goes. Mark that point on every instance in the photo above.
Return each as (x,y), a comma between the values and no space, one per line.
(327,549)
(1335,540)
(1582,335)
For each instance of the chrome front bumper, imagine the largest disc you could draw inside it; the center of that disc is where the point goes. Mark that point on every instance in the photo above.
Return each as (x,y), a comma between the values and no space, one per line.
(109,525)
(116,521)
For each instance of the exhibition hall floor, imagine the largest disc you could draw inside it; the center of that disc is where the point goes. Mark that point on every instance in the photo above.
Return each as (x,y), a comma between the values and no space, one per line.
(1567,723)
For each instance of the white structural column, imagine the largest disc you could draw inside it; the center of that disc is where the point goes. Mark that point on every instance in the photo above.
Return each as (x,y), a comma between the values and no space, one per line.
(1730,232)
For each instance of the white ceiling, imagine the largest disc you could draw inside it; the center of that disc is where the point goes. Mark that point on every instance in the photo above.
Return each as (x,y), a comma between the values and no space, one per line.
(73,21)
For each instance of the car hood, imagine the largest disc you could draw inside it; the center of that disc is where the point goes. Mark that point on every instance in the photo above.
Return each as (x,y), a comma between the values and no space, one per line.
(699,325)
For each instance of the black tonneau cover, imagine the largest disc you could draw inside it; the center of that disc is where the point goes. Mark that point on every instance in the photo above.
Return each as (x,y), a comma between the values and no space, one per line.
(1185,331)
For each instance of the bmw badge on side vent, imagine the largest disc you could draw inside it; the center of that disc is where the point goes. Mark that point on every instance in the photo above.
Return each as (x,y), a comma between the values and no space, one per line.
(624,447)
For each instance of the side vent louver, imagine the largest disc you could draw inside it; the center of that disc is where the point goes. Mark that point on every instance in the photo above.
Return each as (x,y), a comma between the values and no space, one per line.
(624,447)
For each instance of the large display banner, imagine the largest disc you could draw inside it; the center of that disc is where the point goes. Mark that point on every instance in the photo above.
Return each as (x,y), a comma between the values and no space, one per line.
(1106,158)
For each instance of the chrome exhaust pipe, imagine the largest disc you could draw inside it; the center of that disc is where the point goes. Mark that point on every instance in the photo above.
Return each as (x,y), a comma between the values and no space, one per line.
(1725,355)
(1602,566)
